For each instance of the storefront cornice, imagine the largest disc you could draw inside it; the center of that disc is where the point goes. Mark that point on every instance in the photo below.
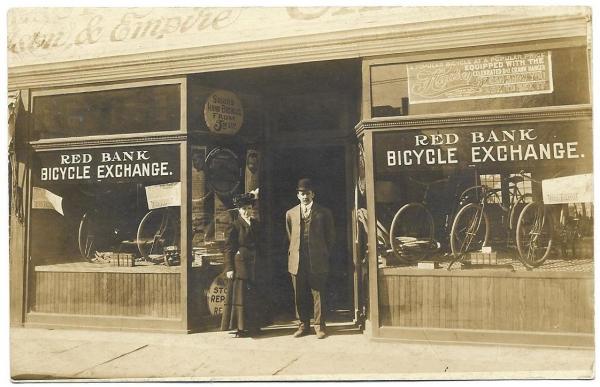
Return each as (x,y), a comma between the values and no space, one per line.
(96,141)
(476,118)
(406,38)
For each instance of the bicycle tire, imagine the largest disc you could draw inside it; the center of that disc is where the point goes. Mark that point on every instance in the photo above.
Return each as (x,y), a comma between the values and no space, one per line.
(86,247)
(461,246)
(534,234)
(152,236)
(407,224)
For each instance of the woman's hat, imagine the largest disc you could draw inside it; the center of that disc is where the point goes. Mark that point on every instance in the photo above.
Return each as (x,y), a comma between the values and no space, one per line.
(244,199)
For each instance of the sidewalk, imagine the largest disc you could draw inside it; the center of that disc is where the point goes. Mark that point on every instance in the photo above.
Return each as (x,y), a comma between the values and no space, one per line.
(275,355)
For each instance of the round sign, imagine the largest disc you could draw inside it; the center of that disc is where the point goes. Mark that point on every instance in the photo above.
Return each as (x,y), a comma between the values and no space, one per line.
(223,112)
(216,295)
(223,171)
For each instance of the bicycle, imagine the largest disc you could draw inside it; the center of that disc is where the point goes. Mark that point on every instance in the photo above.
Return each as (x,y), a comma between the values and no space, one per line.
(412,232)
(467,233)
(536,233)
(103,227)
(158,235)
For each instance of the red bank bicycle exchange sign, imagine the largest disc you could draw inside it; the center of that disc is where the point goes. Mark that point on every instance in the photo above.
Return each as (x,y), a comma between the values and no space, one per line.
(120,164)
(512,146)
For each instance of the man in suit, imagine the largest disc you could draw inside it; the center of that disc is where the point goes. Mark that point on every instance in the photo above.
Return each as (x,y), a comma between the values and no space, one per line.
(311,234)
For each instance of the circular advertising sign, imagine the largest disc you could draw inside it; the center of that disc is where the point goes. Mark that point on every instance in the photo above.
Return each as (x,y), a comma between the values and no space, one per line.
(223,112)
(216,295)
(223,171)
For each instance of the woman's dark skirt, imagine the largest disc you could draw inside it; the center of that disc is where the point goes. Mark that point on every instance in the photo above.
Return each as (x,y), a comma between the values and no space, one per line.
(241,306)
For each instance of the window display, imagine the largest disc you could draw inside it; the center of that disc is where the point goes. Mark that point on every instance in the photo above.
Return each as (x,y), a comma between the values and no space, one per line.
(216,177)
(515,196)
(107,206)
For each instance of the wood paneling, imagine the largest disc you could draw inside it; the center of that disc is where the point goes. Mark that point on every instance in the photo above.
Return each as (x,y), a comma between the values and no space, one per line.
(487,302)
(156,295)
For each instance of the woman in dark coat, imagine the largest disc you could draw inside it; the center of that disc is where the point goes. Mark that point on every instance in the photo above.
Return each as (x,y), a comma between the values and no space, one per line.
(241,312)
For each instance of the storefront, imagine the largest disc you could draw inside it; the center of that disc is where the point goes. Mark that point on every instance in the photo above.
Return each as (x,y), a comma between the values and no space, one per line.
(132,139)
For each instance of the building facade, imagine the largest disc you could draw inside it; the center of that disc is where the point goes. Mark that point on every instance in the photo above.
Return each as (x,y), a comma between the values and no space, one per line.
(453,145)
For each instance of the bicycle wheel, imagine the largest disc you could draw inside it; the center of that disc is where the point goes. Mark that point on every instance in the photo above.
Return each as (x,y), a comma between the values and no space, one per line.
(158,229)
(534,234)
(86,238)
(470,230)
(411,232)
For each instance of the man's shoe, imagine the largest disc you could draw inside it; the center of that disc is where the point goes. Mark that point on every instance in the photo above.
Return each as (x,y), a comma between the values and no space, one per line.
(301,332)
(321,334)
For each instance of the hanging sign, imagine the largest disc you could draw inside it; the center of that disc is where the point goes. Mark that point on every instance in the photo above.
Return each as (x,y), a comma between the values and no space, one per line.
(223,112)
(568,189)
(163,195)
(44,199)
(489,76)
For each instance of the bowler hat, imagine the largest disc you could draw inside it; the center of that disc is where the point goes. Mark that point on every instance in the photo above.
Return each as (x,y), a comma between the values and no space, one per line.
(305,184)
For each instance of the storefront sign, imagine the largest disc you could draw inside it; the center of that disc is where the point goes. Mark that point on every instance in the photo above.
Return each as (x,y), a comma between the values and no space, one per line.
(44,199)
(217,293)
(163,195)
(514,146)
(480,77)
(568,189)
(223,112)
(146,163)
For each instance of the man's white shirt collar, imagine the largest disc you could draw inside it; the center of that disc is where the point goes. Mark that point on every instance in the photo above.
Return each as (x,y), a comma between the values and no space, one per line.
(306,208)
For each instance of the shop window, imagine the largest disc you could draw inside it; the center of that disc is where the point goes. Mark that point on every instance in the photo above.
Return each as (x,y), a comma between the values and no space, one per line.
(119,111)
(525,205)
(107,207)
(493,182)
(491,82)
(216,177)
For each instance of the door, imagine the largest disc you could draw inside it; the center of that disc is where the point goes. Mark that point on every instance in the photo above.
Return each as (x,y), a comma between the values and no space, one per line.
(326,165)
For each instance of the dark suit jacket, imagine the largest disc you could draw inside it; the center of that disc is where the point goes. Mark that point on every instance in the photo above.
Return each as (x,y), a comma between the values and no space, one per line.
(241,248)
(321,238)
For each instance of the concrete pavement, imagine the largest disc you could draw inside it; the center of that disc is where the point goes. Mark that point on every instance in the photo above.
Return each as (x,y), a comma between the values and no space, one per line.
(346,354)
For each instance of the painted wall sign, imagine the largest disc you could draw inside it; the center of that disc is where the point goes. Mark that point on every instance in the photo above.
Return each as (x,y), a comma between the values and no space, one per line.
(480,77)
(144,163)
(507,146)
(52,34)
(223,112)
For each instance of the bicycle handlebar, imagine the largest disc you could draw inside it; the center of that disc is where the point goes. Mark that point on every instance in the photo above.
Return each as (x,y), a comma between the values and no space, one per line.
(430,183)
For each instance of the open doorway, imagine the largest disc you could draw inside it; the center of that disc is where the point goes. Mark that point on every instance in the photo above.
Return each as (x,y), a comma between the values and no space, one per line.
(327,167)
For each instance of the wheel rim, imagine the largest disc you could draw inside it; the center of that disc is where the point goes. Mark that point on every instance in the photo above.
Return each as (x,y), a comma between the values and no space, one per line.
(411,232)
(534,235)
(156,231)
(469,230)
